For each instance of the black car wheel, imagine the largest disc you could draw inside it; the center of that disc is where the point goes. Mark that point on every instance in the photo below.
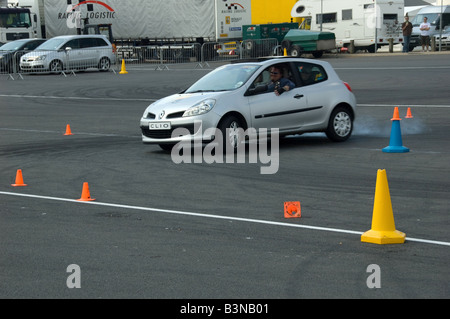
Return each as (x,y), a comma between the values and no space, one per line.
(340,126)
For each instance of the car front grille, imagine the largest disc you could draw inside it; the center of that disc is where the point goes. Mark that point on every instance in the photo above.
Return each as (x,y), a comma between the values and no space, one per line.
(161,134)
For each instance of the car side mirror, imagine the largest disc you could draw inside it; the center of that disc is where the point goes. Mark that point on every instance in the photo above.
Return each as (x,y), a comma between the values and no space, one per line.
(256,90)
(68,49)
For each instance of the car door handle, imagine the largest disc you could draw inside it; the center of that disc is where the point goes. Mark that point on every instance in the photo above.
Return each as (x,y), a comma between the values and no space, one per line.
(298,96)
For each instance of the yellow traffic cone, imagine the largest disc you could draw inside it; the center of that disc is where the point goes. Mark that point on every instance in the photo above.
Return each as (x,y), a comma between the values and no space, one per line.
(383,225)
(123,70)
(285,52)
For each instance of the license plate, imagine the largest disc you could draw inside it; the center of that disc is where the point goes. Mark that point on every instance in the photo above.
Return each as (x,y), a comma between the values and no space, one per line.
(160,126)
(25,64)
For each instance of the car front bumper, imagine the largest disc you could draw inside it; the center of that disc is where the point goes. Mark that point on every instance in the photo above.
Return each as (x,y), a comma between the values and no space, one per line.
(173,131)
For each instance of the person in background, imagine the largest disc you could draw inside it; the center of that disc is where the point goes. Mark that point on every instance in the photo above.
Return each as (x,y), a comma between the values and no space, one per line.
(407,28)
(425,34)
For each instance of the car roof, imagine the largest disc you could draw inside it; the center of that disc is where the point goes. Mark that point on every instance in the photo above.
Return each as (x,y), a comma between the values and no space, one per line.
(28,40)
(277,59)
(80,36)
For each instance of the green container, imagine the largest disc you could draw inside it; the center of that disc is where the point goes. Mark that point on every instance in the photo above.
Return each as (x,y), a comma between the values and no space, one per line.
(267,31)
(309,40)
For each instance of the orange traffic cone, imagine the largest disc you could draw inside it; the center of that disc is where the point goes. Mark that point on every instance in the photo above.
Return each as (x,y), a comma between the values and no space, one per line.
(85,195)
(408,114)
(396,116)
(292,210)
(19,179)
(68,130)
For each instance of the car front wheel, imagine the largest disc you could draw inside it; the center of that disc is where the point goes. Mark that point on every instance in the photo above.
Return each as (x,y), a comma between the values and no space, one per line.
(233,132)
(55,66)
(340,126)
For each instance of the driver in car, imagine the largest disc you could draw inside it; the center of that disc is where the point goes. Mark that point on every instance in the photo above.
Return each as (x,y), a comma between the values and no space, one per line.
(278,83)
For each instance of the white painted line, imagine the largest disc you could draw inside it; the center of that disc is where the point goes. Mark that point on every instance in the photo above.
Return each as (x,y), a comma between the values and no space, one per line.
(397,68)
(74,98)
(61,132)
(409,105)
(249,220)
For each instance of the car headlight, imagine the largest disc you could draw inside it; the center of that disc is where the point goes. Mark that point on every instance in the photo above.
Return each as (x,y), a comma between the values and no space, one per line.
(200,108)
(41,58)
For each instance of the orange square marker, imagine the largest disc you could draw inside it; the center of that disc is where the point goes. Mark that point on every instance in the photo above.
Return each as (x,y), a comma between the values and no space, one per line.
(292,210)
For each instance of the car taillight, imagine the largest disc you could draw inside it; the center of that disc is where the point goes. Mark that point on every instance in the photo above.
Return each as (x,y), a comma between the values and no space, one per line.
(348,86)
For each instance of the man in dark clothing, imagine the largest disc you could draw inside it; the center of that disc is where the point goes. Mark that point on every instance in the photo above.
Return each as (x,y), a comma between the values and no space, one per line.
(279,84)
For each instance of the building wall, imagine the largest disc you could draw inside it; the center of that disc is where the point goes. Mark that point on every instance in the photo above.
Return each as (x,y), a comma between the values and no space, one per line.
(272,11)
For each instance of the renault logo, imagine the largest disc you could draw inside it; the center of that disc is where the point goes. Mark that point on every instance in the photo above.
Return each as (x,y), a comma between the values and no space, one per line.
(161,115)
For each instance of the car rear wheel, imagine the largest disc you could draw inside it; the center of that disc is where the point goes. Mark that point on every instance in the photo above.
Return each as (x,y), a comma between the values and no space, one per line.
(340,126)
(232,130)
(104,64)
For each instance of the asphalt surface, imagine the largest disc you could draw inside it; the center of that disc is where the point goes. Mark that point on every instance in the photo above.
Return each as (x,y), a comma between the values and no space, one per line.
(159,230)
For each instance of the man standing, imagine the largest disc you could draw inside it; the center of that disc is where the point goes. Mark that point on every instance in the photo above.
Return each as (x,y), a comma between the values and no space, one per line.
(407,30)
(425,34)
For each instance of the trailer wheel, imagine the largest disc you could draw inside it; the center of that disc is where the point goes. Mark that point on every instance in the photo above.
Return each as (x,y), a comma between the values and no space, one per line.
(317,54)
(286,44)
(296,51)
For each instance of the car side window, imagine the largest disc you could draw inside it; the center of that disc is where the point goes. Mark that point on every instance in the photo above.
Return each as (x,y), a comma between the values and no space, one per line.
(311,73)
(87,43)
(74,44)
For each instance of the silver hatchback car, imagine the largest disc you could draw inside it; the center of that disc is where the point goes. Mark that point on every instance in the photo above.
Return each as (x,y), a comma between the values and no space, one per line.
(244,95)
(71,52)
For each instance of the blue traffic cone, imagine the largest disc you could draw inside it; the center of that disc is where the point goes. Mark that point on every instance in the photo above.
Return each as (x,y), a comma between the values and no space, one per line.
(395,143)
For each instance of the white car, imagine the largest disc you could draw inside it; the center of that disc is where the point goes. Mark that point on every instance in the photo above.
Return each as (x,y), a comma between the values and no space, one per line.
(67,53)
(236,96)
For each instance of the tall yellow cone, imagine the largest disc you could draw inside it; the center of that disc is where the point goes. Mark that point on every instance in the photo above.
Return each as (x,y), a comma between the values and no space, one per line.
(123,70)
(383,225)
(285,52)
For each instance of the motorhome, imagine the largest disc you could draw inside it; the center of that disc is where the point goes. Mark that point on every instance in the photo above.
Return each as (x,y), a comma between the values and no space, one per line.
(433,13)
(368,24)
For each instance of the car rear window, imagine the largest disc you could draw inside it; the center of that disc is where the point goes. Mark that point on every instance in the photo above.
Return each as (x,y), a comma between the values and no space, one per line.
(311,73)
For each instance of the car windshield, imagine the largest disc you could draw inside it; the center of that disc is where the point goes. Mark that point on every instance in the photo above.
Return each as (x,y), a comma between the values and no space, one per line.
(50,45)
(12,46)
(225,78)
(432,18)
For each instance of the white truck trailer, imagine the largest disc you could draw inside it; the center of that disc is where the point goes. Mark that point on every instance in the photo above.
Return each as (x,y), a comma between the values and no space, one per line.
(170,20)
(368,24)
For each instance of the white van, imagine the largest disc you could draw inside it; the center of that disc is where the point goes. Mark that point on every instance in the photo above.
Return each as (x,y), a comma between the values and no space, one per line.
(433,13)
(69,53)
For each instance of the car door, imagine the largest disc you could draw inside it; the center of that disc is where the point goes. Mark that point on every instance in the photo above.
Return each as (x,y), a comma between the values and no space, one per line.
(271,111)
(73,55)
(89,51)
(314,86)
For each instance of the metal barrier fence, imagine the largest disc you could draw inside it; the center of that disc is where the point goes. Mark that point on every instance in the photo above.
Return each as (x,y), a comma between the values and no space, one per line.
(58,61)
(68,61)
(164,55)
